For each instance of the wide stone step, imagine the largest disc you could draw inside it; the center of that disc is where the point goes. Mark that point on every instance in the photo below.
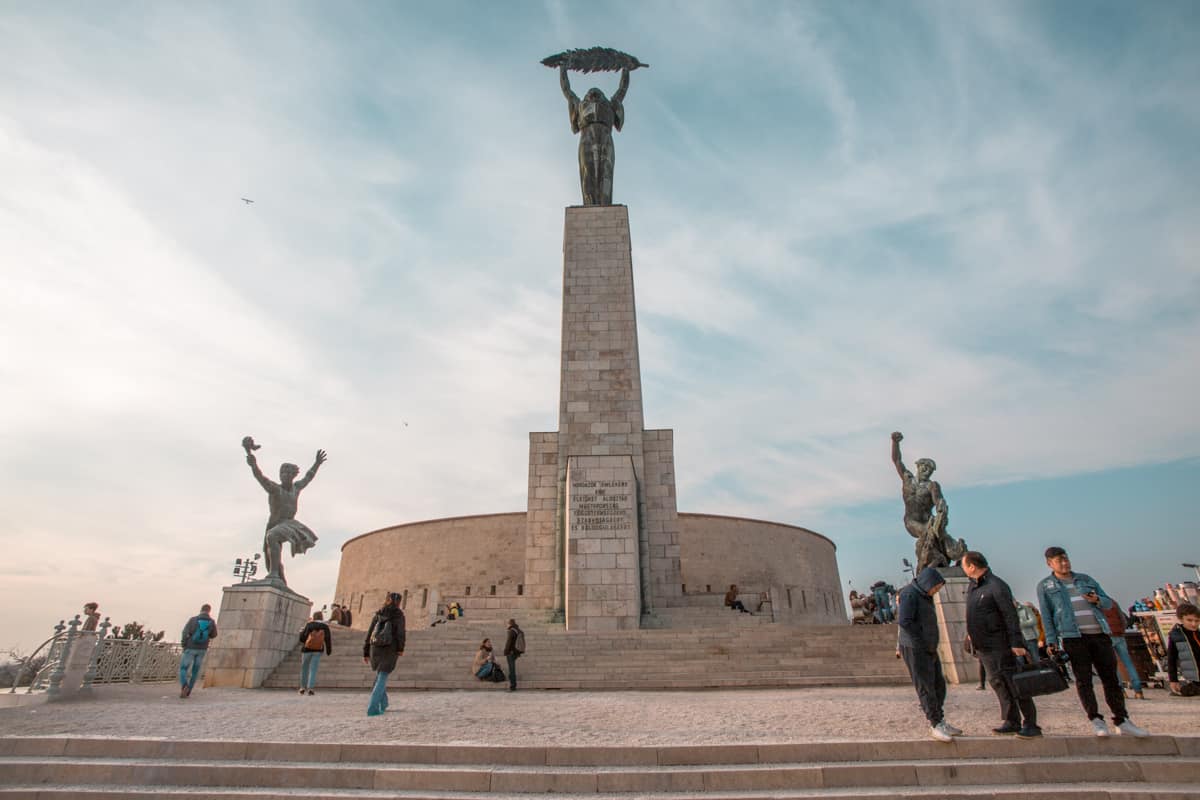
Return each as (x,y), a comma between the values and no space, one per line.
(50,768)
(1054,791)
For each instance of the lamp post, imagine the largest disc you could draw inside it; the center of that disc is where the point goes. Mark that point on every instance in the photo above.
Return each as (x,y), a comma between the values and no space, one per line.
(246,568)
(909,568)
(1195,567)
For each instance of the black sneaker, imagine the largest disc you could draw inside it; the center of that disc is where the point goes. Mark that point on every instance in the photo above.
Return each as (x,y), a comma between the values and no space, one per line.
(1029,732)
(1006,730)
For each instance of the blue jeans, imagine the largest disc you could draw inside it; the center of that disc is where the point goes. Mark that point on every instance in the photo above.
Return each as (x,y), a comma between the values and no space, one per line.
(1122,649)
(309,661)
(379,699)
(193,660)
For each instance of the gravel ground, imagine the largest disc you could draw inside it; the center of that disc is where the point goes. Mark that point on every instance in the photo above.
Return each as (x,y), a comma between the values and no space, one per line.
(556,717)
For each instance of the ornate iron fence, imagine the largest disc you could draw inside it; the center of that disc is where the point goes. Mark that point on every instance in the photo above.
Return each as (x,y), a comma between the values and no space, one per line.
(107,660)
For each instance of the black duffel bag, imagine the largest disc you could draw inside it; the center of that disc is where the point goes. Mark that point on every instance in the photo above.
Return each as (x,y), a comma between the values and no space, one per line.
(1035,680)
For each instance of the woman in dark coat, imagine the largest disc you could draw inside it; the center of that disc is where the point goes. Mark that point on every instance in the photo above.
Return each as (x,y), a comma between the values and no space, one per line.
(383,645)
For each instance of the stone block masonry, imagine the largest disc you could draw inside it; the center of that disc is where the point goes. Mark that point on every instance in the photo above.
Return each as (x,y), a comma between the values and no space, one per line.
(600,416)
(257,627)
(603,588)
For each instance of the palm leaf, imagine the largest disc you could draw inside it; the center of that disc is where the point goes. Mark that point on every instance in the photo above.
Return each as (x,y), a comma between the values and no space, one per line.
(593,59)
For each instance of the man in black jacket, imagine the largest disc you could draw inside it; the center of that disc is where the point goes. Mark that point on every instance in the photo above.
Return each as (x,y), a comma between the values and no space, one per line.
(995,634)
(383,646)
(918,647)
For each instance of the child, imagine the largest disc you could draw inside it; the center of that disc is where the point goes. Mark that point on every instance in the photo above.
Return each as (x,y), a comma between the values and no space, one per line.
(1183,651)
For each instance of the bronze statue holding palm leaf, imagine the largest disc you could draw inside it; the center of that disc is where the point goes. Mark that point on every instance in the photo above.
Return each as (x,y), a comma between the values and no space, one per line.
(595,116)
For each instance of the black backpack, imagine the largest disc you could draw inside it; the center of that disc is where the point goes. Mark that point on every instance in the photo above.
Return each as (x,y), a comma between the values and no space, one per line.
(383,636)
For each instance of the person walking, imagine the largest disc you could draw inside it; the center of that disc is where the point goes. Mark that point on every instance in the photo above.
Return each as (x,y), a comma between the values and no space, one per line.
(514,648)
(315,639)
(995,635)
(383,645)
(197,633)
(1071,604)
(918,644)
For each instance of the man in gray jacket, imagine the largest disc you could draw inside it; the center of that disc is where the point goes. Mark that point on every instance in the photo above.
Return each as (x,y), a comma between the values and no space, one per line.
(918,647)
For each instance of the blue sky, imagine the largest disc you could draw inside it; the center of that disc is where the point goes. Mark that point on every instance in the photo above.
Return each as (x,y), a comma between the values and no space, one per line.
(978,225)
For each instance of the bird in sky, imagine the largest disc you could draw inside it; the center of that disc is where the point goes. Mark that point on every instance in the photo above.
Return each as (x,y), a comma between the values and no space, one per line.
(247,200)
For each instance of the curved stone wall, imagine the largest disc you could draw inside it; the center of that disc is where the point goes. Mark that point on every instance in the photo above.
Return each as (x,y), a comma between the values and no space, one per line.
(445,556)
(480,561)
(798,566)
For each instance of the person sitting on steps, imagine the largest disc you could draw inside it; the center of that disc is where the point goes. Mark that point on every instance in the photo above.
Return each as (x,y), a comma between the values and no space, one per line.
(731,600)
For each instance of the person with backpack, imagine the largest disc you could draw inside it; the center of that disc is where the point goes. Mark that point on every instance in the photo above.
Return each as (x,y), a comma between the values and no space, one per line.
(514,648)
(197,633)
(383,645)
(314,639)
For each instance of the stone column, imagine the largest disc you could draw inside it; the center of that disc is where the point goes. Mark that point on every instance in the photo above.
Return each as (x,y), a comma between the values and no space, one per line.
(257,626)
(600,415)
(951,606)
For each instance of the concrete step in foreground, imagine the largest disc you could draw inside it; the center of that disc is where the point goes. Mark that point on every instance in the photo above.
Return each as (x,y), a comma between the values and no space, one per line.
(1056,767)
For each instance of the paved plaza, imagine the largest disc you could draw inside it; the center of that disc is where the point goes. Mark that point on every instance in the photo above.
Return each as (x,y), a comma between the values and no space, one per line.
(556,717)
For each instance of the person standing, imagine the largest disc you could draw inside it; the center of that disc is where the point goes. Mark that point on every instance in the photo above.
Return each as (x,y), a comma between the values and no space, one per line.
(91,613)
(197,633)
(514,648)
(1116,629)
(1071,604)
(918,645)
(1183,651)
(383,645)
(1030,629)
(314,639)
(995,634)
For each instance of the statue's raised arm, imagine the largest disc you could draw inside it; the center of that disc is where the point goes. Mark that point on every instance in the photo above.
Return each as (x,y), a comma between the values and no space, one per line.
(312,471)
(897,437)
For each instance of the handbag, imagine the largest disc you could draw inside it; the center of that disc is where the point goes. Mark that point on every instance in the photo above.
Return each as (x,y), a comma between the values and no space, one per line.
(1035,680)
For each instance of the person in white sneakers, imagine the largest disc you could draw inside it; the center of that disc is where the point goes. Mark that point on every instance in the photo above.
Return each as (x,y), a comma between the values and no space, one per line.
(918,646)
(1072,613)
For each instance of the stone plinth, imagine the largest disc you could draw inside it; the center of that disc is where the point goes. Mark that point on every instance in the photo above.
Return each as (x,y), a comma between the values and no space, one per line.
(951,606)
(257,626)
(79,657)
(603,586)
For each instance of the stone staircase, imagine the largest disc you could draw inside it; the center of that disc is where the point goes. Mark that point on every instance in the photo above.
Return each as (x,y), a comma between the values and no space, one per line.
(1059,768)
(740,655)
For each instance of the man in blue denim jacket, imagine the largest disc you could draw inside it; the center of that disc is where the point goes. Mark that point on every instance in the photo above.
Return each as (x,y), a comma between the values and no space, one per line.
(1074,623)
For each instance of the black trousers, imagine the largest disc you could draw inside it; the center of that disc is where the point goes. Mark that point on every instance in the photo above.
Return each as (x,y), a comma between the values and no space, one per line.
(1095,650)
(1000,666)
(512,670)
(925,669)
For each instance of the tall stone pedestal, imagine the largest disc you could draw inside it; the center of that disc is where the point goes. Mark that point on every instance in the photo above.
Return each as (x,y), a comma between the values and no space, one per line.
(951,606)
(257,626)
(600,426)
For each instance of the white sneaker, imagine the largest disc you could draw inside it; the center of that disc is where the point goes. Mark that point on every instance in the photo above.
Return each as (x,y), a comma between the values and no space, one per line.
(1129,729)
(940,733)
(1100,727)
(950,729)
